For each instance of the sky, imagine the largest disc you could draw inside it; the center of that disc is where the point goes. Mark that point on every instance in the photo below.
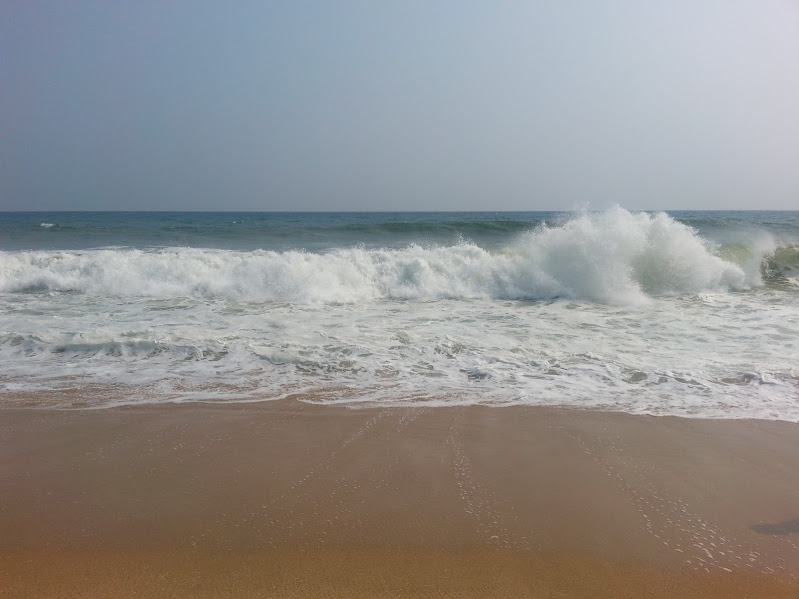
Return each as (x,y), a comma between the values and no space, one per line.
(399,105)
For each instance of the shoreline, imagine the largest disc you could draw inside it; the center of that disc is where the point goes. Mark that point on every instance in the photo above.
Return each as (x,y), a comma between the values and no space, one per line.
(417,501)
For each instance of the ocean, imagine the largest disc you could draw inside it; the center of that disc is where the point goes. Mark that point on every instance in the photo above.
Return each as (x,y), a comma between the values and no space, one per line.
(692,314)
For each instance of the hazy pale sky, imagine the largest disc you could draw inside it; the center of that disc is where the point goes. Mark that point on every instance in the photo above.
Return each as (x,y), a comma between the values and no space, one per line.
(252,105)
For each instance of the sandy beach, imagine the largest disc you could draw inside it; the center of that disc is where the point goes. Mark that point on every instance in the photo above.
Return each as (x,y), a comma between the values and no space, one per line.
(288,499)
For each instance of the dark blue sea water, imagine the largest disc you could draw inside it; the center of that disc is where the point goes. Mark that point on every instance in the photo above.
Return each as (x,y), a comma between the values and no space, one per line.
(258,230)
(324,231)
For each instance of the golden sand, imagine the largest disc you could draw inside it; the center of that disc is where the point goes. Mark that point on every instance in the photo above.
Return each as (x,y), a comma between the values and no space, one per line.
(287,499)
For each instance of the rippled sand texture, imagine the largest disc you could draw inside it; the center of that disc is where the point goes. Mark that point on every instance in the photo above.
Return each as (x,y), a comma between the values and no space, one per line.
(286,499)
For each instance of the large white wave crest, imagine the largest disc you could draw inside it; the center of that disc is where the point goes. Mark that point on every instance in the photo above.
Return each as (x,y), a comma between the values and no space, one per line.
(615,256)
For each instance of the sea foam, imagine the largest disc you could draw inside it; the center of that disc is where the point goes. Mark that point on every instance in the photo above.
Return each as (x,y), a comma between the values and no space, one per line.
(651,317)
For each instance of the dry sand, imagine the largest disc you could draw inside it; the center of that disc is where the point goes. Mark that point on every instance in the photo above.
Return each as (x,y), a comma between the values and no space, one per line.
(287,499)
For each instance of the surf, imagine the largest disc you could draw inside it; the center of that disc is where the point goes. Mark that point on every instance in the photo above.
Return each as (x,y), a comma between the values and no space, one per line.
(615,256)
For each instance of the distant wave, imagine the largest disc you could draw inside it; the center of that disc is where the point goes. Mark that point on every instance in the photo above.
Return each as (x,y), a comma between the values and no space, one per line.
(47,225)
(615,256)
(465,228)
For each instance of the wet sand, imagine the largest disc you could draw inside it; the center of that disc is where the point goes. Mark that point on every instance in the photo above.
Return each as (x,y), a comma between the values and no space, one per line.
(287,499)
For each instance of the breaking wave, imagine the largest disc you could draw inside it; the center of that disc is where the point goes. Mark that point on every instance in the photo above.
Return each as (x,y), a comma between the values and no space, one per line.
(615,256)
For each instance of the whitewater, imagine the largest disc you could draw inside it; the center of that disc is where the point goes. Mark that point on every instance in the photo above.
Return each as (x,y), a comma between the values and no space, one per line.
(688,314)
